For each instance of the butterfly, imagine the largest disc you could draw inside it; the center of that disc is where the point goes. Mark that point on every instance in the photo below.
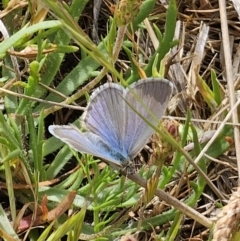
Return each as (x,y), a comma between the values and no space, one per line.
(115,131)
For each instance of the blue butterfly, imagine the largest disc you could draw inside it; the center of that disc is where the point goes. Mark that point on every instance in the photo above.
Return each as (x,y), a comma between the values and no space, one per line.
(116,133)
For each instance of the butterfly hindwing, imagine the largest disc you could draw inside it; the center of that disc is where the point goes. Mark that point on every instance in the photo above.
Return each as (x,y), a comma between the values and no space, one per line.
(86,142)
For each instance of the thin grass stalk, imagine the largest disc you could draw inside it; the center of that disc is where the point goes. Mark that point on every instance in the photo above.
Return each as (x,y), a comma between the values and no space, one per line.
(229,77)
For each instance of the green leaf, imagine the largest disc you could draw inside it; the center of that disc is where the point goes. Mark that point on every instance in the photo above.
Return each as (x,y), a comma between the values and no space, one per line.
(6,226)
(217,91)
(207,94)
(25,32)
(145,10)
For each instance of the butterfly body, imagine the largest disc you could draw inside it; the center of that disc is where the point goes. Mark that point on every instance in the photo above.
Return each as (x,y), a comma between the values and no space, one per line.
(115,131)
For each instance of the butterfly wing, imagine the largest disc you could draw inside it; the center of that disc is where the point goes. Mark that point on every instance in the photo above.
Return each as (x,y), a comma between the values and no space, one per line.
(105,116)
(149,97)
(86,142)
(109,116)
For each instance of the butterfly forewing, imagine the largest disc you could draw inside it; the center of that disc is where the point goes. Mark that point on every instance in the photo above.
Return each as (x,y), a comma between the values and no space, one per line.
(150,98)
(105,115)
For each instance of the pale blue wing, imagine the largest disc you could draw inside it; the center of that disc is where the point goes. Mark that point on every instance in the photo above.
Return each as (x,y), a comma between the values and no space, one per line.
(154,94)
(109,116)
(86,142)
(105,116)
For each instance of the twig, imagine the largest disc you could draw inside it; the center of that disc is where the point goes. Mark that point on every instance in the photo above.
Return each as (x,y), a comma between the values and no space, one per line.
(172,201)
